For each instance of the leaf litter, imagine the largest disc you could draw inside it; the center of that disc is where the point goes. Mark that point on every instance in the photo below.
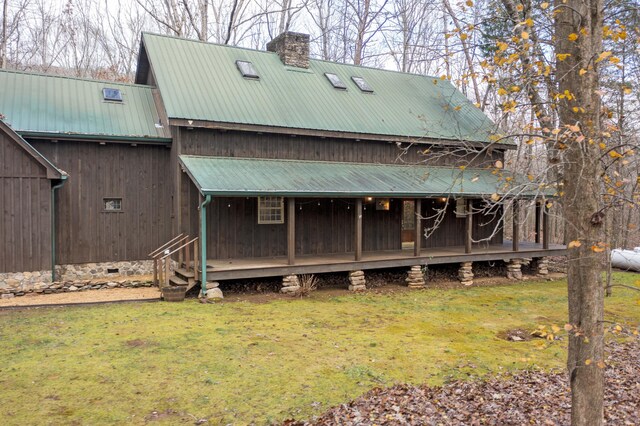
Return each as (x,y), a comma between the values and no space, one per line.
(516,398)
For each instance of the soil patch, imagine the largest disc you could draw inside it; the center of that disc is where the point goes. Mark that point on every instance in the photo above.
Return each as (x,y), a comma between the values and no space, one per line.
(515,335)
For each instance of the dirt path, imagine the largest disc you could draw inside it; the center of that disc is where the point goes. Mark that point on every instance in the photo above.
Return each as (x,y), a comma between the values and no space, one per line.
(80,297)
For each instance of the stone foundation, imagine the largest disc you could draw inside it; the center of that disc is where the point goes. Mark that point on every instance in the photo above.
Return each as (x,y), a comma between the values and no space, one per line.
(290,284)
(357,282)
(514,269)
(81,277)
(541,265)
(415,277)
(89,271)
(465,273)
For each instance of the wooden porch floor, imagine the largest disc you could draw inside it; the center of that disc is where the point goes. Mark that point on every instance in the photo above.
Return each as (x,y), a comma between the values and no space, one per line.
(225,269)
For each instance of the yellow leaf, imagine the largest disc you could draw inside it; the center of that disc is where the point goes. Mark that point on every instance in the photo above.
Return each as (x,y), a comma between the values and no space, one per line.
(528,22)
(502,92)
(573,37)
(614,60)
(614,154)
(575,243)
(515,88)
(524,35)
(555,328)
(604,55)
(498,164)
(602,145)
(601,364)
(462,167)
(597,249)
(618,328)
(627,90)
(562,56)
(568,327)
(574,128)
(495,197)
(582,71)
(502,46)
(463,36)
(544,5)
(520,8)
(588,362)
(469,3)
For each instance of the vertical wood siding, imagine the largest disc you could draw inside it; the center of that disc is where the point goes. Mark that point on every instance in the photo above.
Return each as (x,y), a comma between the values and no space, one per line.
(139,175)
(251,145)
(25,198)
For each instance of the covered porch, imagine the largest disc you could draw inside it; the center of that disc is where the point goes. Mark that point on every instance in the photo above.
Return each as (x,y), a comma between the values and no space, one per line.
(367,232)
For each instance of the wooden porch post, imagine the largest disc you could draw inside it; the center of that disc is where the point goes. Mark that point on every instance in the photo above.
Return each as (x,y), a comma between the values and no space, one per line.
(358,233)
(468,220)
(291,230)
(417,238)
(538,213)
(545,226)
(516,225)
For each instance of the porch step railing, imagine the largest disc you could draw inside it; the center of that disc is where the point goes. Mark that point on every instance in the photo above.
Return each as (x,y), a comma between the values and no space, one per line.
(165,273)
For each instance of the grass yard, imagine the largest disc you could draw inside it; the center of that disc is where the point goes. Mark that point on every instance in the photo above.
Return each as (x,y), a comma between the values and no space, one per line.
(246,362)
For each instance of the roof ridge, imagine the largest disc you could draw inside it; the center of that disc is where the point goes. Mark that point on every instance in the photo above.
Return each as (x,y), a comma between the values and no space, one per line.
(311,59)
(88,80)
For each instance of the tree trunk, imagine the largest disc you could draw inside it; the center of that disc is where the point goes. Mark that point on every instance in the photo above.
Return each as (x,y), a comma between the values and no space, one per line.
(3,42)
(582,179)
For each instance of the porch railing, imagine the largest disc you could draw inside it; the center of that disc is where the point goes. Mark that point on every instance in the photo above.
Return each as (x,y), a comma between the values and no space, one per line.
(187,251)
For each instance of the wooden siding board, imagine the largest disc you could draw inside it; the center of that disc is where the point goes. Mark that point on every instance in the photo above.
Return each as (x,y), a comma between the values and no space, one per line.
(25,195)
(252,145)
(138,174)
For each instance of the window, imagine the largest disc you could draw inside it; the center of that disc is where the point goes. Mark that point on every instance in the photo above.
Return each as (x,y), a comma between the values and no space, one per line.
(247,70)
(362,84)
(112,204)
(335,81)
(111,94)
(270,210)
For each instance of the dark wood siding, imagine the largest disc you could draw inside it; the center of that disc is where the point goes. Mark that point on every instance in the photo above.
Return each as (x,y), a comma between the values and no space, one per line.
(246,144)
(450,232)
(139,175)
(25,200)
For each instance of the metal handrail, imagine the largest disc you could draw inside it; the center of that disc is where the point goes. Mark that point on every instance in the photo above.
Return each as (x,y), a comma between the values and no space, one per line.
(179,248)
(170,247)
(161,248)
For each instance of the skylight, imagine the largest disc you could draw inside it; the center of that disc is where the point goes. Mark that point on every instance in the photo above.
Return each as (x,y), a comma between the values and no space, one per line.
(111,94)
(335,81)
(362,84)
(247,70)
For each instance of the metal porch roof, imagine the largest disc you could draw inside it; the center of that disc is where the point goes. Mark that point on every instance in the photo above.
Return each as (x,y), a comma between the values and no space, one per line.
(57,106)
(200,81)
(224,176)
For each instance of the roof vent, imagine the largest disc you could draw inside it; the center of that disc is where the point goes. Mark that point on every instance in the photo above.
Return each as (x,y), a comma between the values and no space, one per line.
(247,70)
(362,84)
(111,94)
(335,81)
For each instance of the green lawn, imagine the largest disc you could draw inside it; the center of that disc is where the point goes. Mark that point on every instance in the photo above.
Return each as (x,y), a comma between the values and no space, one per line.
(245,362)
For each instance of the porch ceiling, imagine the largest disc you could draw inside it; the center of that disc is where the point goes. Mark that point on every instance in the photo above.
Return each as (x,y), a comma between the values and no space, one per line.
(223,176)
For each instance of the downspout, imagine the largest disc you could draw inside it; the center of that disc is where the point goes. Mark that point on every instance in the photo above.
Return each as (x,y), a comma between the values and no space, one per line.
(53,226)
(203,245)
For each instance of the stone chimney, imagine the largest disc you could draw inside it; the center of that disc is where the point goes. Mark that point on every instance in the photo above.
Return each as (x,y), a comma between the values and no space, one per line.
(292,48)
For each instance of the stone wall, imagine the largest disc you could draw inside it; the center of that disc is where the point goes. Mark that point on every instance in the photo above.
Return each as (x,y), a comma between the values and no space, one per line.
(87,276)
(88,271)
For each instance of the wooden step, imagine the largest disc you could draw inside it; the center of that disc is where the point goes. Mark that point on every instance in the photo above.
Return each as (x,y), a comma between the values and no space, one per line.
(184,274)
(177,281)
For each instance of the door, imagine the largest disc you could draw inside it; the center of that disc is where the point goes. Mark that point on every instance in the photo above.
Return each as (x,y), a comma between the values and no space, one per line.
(408,221)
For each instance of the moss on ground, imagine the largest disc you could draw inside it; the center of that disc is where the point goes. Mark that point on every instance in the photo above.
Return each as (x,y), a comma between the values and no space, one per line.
(243,362)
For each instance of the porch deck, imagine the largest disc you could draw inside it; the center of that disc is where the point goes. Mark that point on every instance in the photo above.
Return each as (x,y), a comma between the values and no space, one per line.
(226,269)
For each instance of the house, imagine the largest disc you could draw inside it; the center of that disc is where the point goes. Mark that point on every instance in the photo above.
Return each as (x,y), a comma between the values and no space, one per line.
(252,163)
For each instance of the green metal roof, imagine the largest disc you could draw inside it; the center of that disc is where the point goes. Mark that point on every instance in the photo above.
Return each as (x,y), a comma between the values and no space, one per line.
(37,104)
(200,81)
(250,177)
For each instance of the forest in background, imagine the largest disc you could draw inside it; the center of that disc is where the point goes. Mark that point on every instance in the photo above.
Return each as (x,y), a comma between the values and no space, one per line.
(461,41)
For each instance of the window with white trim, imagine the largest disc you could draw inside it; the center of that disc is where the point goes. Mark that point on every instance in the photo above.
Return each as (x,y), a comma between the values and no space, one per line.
(112,204)
(270,210)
